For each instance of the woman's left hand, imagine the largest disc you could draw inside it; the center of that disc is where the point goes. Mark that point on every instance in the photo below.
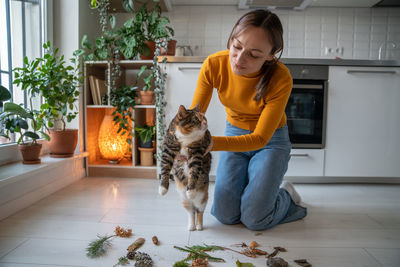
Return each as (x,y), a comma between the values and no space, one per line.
(209,148)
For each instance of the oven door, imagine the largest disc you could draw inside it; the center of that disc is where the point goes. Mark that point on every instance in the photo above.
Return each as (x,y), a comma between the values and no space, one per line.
(306,114)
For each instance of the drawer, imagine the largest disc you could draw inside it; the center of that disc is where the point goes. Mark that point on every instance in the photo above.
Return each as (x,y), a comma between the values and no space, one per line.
(306,162)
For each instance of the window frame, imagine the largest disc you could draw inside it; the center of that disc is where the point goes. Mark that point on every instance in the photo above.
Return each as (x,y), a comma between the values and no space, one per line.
(8,151)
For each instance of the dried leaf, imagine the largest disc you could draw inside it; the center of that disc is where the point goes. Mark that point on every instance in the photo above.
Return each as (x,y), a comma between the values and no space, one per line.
(259,233)
(247,252)
(121,232)
(253,244)
(259,251)
(241,245)
(244,264)
(276,250)
(137,244)
(303,262)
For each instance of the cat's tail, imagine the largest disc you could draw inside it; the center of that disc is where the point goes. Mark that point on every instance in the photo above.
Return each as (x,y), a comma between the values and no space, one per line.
(164,184)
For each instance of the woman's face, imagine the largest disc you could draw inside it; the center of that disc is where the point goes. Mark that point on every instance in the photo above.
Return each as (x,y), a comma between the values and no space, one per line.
(249,51)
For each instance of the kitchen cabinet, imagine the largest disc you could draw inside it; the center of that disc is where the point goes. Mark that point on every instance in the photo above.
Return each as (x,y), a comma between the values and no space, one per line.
(363,122)
(306,162)
(180,88)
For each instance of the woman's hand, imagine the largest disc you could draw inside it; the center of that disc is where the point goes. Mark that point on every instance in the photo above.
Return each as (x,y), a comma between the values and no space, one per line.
(209,148)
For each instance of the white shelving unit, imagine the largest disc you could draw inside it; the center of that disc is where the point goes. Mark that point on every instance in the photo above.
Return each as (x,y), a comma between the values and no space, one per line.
(96,165)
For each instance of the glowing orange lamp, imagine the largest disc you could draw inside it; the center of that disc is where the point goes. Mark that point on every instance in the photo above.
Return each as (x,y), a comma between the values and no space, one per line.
(112,144)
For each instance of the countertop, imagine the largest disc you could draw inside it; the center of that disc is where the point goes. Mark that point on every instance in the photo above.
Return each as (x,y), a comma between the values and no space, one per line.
(306,61)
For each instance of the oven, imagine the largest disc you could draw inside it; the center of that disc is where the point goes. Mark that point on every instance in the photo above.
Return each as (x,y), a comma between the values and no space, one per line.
(306,107)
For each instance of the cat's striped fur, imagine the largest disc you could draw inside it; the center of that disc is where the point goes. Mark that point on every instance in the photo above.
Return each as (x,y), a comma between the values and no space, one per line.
(184,160)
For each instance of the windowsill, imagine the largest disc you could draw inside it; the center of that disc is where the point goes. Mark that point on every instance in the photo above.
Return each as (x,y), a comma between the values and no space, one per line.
(16,171)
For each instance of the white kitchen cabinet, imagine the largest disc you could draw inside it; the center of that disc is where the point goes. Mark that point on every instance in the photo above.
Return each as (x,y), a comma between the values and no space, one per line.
(306,162)
(180,88)
(363,122)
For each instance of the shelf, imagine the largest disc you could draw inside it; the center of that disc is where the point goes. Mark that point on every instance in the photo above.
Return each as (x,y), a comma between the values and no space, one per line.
(145,106)
(99,106)
(104,163)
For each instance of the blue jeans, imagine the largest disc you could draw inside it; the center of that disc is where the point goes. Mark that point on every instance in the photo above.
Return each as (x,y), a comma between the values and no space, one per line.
(247,184)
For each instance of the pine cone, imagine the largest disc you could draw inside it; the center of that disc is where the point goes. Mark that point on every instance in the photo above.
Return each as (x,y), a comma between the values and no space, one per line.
(200,263)
(131,255)
(143,260)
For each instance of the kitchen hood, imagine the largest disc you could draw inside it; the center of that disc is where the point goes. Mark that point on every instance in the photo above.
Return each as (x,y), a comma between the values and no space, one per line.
(273,4)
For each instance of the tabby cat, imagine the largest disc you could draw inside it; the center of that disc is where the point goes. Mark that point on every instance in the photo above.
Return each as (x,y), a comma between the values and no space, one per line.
(184,160)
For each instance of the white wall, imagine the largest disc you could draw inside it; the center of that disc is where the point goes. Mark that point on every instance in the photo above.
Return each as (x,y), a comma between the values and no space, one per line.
(360,31)
(71,20)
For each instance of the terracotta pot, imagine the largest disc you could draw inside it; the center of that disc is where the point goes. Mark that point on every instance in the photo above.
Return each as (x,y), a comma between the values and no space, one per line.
(146,97)
(30,153)
(63,143)
(170,49)
(152,46)
(150,116)
(146,156)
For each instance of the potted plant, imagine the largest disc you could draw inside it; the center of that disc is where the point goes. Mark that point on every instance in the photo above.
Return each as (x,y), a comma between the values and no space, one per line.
(155,27)
(16,119)
(4,96)
(124,100)
(58,84)
(146,94)
(146,147)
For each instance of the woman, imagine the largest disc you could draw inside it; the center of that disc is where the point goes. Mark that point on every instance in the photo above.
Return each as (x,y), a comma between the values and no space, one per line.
(254,87)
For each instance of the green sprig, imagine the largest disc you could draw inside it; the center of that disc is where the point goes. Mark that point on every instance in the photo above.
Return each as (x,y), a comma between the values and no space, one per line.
(197,252)
(99,247)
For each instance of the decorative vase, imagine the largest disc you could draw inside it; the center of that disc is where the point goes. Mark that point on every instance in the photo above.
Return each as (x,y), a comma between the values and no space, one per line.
(112,145)
(30,153)
(152,47)
(170,49)
(62,144)
(146,97)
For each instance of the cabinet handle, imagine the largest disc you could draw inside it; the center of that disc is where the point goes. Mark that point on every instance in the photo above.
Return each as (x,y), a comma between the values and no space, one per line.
(372,71)
(299,155)
(188,68)
(307,86)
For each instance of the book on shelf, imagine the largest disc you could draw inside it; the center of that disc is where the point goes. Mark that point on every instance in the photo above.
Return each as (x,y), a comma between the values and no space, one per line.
(98,89)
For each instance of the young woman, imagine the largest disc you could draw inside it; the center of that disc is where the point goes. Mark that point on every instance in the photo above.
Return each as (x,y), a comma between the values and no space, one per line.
(254,87)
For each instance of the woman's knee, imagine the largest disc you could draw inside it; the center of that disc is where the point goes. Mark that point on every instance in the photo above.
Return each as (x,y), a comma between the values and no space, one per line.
(257,223)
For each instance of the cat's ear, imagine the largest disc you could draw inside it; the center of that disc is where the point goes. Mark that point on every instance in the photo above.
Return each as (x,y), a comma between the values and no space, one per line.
(181,112)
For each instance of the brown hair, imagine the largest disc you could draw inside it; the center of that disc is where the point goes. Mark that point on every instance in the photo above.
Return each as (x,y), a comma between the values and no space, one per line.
(272,25)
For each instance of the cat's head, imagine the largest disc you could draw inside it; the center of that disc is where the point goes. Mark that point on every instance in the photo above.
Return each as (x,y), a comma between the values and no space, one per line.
(190,121)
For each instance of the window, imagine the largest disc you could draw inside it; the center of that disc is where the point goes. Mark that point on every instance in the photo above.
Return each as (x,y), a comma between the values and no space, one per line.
(21,34)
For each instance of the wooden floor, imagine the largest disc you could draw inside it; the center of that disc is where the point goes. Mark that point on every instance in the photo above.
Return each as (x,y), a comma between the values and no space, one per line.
(346,226)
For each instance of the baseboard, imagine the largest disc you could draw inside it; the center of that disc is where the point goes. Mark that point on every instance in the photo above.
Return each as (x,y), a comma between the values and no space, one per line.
(342,180)
(339,180)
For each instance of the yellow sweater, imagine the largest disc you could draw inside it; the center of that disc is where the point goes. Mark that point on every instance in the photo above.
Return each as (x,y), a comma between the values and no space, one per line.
(236,94)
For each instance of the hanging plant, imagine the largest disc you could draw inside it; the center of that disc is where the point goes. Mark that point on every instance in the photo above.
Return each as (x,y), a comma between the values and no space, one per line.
(160,77)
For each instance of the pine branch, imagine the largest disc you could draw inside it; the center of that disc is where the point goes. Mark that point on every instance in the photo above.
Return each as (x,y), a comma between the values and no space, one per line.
(196,252)
(99,247)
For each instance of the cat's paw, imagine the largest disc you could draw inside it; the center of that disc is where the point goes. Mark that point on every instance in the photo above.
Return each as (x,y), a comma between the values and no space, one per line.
(191,193)
(191,227)
(162,190)
(199,227)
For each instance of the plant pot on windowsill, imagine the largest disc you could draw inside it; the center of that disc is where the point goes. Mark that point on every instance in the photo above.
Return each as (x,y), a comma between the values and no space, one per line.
(63,143)
(30,153)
